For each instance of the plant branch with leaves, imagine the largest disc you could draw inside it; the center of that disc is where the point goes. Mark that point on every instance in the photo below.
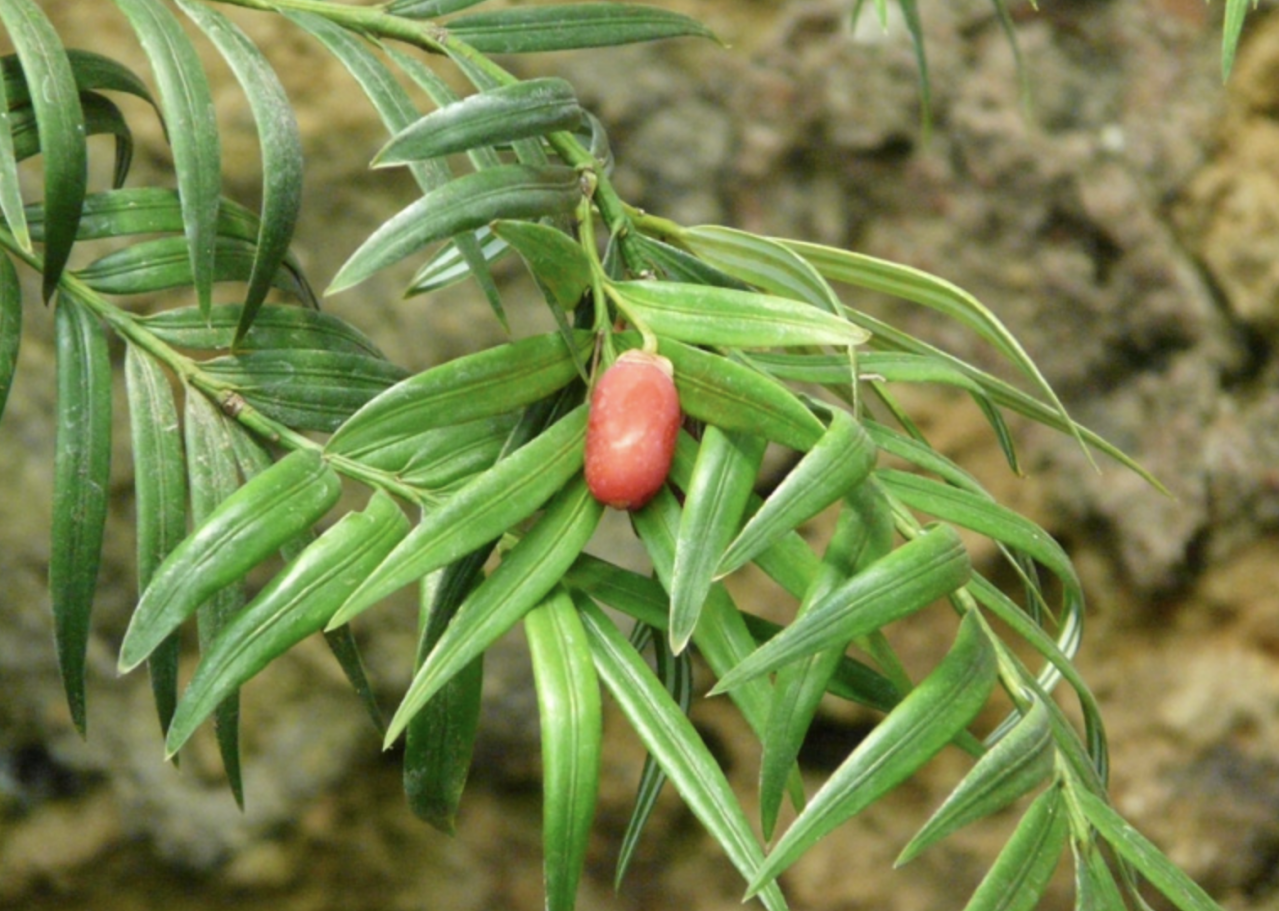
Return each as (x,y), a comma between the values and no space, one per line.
(250,418)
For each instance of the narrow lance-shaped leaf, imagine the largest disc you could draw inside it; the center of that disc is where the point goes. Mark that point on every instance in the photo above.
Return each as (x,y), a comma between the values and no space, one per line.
(533,107)
(165,262)
(388,97)
(189,113)
(10,326)
(428,9)
(490,382)
(250,525)
(82,464)
(571,26)
(1139,851)
(762,262)
(715,498)
(10,189)
(676,673)
(61,127)
(101,117)
(557,264)
(464,204)
(439,741)
(292,606)
(915,25)
(306,389)
(448,266)
(675,744)
(1019,876)
(863,533)
(526,574)
(276,327)
(721,636)
(926,720)
(281,150)
(159,471)
(480,511)
(910,284)
(568,697)
(931,566)
(213,474)
(644,599)
(705,315)
(1022,760)
(1231,30)
(839,461)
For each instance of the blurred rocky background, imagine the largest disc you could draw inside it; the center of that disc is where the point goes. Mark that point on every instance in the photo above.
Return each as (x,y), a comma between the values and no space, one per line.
(1124,222)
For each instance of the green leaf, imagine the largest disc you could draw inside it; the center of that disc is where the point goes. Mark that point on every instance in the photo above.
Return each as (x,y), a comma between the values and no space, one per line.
(10,188)
(734,397)
(82,465)
(10,326)
(1231,30)
(92,71)
(440,739)
(448,266)
(277,328)
(428,9)
(525,576)
(675,744)
(567,27)
(928,718)
(676,265)
(212,476)
(676,674)
(480,511)
(144,210)
(715,499)
(534,107)
(761,262)
(1005,395)
(931,566)
(863,533)
(568,697)
(189,113)
(558,265)
(101,116)
(437,458)
(464,204)
(1021,873)
(915,25)
(268,511)
(1058,665)
(644,599)
(1144,856)
(281,150)
(160,487)
(706,315)
(306,389)
(165,262)
(980,513)
(490,382)
(61,125)
(1095,888)
(1022,760)
(935,293)
(838,462)
(443,94)
(292,606)
(554,258)
(721,636)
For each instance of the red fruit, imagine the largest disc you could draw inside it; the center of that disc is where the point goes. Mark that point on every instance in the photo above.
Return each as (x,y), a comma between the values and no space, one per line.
(630,437)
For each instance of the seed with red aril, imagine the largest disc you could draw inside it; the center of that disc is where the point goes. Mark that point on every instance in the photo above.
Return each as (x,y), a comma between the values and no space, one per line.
(630,437)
